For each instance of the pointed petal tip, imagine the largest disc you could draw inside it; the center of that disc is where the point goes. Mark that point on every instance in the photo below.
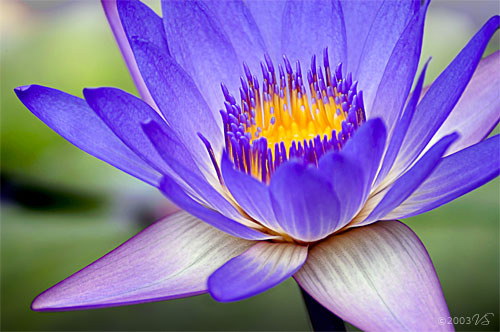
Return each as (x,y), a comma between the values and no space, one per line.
(155,265)
(90,93)
(24,92)
(47,301)
(22,88)
(377,122)
(90,90)
(37,304)
(146,125)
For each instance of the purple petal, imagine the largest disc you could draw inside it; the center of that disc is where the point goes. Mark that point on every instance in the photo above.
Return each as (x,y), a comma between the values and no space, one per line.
(401,129)
(250,194)
(455,176)
(173,151)
(74,120)
(111,11)
(202,48)
(389,23)
(358,19)
(378,278)
(170,259)
(178,99)
(138,20)
(234,17)
(398,75)
(482,97)
(304,203)
(199,186)
(366,148)
(268,17)
(124,114)
(309,27)
(411,180)
(256,270)
(442,96)
(177,195)
(348,182)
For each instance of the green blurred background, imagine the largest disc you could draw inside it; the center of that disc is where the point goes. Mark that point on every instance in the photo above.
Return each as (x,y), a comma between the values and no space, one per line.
(62,209)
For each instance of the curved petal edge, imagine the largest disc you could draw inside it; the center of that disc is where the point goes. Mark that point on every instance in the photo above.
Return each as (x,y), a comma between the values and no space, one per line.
(170,259)
(378,278)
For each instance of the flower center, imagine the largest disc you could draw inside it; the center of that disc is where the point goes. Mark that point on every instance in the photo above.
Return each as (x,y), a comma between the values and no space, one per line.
(280,122)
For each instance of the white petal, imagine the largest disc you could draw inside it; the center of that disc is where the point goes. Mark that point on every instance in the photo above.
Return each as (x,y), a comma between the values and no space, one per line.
(170,259)
(378,278)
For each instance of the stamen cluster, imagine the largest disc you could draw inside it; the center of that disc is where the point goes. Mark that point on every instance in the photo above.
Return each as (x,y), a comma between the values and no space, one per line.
(280,122)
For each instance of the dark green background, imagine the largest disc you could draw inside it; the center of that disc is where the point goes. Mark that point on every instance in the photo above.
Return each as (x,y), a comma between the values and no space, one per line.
(67,209)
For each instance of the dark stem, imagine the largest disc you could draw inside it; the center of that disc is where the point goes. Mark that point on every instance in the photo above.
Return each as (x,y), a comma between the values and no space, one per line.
(321,318)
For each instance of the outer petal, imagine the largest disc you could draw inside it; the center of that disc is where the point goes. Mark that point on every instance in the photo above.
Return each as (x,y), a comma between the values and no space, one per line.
(202,48)
(177,195)
(170,259)
(478,110)
(304,203)
(400,130)
(309,27)
(138,20)
(256,270)
(124,113)
(111,11)
(398,75)
(386,29)
(192,182)
(442,96)
(411,180)
(378,278)
(457,174)
(74,120)
(178,98)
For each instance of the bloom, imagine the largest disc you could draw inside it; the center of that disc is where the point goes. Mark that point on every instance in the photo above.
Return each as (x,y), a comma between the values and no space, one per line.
(293,195)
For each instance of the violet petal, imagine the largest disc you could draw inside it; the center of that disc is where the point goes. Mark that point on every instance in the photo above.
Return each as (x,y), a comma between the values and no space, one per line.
(202,48)
(309,27)
(251,194)
(400,130)
(178,99)
(377,47)
(304,203)
(256,270)
(111,11)
(443,96)
(180,198)
(74,120)
(482,95)
(455,176)
(397,79)
(404,186)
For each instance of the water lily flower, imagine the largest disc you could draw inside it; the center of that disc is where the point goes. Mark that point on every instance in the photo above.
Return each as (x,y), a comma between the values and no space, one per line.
(298,165)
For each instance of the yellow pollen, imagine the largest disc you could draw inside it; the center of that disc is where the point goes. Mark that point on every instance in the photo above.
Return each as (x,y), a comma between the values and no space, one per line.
(280,120)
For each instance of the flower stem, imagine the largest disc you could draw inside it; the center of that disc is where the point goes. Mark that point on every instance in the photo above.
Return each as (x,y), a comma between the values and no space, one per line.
(321,318)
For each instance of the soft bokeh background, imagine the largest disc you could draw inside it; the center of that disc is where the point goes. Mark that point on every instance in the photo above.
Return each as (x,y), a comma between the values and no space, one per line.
(62,209)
